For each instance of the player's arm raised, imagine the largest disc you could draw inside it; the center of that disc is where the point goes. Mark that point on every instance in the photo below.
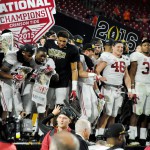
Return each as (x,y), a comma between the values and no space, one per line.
(127,81)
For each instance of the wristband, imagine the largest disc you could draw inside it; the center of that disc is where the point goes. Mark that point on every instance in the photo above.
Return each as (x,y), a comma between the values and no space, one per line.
(91,74)
(133,91)
(129,90)
(74,85)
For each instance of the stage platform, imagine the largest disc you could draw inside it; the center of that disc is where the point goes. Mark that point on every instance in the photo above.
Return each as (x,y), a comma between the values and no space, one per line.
(37,146)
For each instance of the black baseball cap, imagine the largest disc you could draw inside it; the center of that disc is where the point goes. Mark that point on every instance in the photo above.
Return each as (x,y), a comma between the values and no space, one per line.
(6,31)
(115,130)
(49,33)
(68,112)
(109,42)
(97,41)
(78,40)
(28,48)
(145,41)
(88,46)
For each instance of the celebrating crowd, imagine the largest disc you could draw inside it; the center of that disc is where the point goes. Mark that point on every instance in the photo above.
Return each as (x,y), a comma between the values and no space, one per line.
(100,77)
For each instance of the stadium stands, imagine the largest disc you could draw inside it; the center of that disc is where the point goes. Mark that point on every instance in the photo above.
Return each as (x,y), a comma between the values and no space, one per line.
(85,10)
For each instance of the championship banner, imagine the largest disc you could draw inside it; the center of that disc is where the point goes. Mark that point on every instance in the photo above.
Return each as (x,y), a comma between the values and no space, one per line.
(27,19)
(107,29)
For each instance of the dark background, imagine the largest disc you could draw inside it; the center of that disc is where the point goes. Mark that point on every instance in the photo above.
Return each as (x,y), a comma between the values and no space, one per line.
(74,26)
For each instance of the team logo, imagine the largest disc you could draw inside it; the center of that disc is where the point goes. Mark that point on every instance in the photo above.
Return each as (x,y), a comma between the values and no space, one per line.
(27,19)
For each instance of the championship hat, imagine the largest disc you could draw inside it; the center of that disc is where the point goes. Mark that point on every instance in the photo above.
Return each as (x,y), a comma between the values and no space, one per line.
(115,130)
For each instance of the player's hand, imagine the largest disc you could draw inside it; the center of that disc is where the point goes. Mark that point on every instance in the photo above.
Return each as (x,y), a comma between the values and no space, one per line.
(130,95)
(56,110)
(18,77)
(34,75)
(73,95)
(48,70)
(135,97)
(55,77)
(100,78)
(101,96)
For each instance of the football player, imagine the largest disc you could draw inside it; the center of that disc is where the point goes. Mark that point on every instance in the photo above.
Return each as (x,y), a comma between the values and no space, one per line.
(114,69)
(140,78)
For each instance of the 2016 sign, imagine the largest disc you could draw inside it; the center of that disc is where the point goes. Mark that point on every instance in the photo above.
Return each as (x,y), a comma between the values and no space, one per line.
(28,19)
(107,29)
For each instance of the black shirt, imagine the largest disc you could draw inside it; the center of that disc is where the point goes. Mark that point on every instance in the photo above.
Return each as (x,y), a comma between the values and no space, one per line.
(63,57)
(83,144)
(1,58)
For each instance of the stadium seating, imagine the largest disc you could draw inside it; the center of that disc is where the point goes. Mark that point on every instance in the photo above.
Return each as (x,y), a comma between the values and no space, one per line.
(140,12)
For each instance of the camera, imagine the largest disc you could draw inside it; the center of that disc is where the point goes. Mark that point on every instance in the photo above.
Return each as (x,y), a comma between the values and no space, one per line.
(16,129)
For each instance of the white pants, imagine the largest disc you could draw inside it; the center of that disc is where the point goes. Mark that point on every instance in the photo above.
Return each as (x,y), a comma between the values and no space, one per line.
(10,100)
(57,96)
(113,100)
(54,96)
(143,103)
(88,102)
(6,97)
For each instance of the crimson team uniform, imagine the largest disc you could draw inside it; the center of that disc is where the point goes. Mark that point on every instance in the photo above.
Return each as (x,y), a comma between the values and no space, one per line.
(63,57)
(87,96)
(142,89)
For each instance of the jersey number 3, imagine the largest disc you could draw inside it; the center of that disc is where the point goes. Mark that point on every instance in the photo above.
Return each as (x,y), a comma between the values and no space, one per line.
(119,66)
(147,66)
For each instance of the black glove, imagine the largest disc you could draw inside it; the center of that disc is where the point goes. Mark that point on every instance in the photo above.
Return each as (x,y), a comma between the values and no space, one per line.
(55,77)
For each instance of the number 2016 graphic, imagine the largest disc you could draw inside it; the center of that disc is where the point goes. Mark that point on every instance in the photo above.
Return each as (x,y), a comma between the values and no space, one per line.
(106,31)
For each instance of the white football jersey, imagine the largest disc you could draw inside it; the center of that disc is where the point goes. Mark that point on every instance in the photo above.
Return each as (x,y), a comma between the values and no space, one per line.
(94,60)
(143,67)
(103,55)
(48,61)
(115,69)
(11,58)
(89,80)
(126,59)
